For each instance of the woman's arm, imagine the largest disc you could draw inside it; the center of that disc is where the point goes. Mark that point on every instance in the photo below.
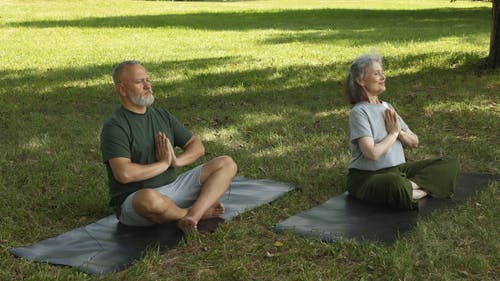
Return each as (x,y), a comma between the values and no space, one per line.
(408,138)
(374,151)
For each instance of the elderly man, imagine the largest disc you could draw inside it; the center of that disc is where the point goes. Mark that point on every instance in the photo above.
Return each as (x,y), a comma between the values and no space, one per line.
(137,143)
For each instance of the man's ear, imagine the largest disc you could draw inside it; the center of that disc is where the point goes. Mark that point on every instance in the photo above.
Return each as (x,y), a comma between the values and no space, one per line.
(121,89)
(360,82)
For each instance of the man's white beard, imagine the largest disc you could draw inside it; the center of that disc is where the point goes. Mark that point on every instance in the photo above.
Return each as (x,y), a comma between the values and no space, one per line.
(142,100)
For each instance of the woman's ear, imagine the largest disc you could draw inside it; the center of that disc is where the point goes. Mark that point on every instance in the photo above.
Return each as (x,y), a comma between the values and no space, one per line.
(360,82)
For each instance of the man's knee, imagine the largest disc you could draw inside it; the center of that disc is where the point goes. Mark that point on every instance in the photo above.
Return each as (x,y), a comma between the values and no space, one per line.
(149,201)
(223,166)
(225,163)
(229,164)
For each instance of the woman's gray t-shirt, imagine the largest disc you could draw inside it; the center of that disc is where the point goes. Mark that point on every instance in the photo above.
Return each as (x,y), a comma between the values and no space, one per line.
(367,120)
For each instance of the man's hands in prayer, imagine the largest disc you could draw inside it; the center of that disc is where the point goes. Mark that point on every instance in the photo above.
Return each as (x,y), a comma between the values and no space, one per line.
(163,147)
(165,151)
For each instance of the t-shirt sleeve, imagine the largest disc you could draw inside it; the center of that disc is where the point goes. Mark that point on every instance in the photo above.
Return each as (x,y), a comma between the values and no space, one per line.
(181,134)
(114,142)
(404,126)
(359,126)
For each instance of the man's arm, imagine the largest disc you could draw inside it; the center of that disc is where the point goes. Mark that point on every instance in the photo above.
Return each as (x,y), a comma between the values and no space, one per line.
(125,171)
(192,150)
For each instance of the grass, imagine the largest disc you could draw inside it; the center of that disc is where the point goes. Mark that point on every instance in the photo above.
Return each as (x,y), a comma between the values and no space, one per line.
(261,81)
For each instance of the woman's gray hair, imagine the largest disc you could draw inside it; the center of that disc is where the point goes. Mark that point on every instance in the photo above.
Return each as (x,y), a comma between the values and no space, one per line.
(118,70)
(359,66)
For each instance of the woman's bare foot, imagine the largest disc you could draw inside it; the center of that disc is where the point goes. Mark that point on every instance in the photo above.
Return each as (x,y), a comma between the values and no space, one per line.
(414,185)
(215,211)
(419,194)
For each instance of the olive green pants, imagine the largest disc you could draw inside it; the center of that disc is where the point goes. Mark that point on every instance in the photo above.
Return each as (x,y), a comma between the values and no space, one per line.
(392,187)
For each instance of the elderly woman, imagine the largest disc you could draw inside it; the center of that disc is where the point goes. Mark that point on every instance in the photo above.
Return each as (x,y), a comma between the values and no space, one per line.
(378,172)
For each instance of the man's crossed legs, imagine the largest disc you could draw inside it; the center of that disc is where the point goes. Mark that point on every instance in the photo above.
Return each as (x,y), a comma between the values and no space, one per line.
(192,197)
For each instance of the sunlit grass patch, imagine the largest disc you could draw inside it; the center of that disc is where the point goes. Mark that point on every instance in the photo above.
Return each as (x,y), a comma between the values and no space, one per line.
(263,82)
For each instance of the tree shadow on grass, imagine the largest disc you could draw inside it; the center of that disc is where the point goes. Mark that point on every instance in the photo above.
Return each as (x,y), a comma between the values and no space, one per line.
(59,77)
(324,25)
(200,96)
(278,128)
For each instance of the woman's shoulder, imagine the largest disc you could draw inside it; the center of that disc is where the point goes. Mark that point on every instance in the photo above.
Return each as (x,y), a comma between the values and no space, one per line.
(363,106)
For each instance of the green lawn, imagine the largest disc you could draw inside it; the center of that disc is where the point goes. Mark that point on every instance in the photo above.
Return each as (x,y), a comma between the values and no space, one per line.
(261,81)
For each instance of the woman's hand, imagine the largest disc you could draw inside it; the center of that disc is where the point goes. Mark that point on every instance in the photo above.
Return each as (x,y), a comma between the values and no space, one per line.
(408,138)
(392,122)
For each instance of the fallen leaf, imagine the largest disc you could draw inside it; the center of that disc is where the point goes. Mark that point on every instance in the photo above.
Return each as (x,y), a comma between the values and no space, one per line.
(278,244)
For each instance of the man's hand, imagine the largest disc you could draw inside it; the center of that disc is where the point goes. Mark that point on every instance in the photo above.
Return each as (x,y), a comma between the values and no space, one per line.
(163,151)
(174,163)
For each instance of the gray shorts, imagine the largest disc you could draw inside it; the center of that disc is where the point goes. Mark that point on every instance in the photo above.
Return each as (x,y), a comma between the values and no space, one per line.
(183,191)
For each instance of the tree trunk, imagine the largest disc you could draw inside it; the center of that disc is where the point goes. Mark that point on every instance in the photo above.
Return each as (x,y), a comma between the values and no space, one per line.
(494,56)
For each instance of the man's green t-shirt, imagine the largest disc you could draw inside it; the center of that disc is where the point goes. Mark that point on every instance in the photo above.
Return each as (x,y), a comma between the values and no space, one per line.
(131,135)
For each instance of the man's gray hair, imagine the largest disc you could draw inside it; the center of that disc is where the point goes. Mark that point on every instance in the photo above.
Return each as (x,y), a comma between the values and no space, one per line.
(355,93)
(118,70)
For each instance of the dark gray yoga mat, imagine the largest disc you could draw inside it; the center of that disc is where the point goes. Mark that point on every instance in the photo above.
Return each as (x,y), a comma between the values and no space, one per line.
(107,246)
(344,217)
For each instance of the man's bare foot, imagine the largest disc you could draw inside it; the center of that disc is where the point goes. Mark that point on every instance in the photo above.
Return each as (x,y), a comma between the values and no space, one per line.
(187,225)
(215,211)
(419,194)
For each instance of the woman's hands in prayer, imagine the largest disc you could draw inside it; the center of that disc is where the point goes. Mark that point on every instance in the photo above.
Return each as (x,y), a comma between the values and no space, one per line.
(392,124)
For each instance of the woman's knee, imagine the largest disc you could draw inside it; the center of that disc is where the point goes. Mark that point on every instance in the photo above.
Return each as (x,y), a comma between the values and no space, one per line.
(399,193)
(398,184)
(453,164)
(387,189)
(391,179)
(392,183)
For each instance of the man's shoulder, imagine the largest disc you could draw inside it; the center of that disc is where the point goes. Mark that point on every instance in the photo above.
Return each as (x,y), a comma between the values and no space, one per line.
(115,115)
(159,110)
(117,119)
(163,114)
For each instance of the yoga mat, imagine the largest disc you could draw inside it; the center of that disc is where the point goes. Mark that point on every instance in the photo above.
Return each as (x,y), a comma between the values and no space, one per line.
(345,217)
(108,246)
